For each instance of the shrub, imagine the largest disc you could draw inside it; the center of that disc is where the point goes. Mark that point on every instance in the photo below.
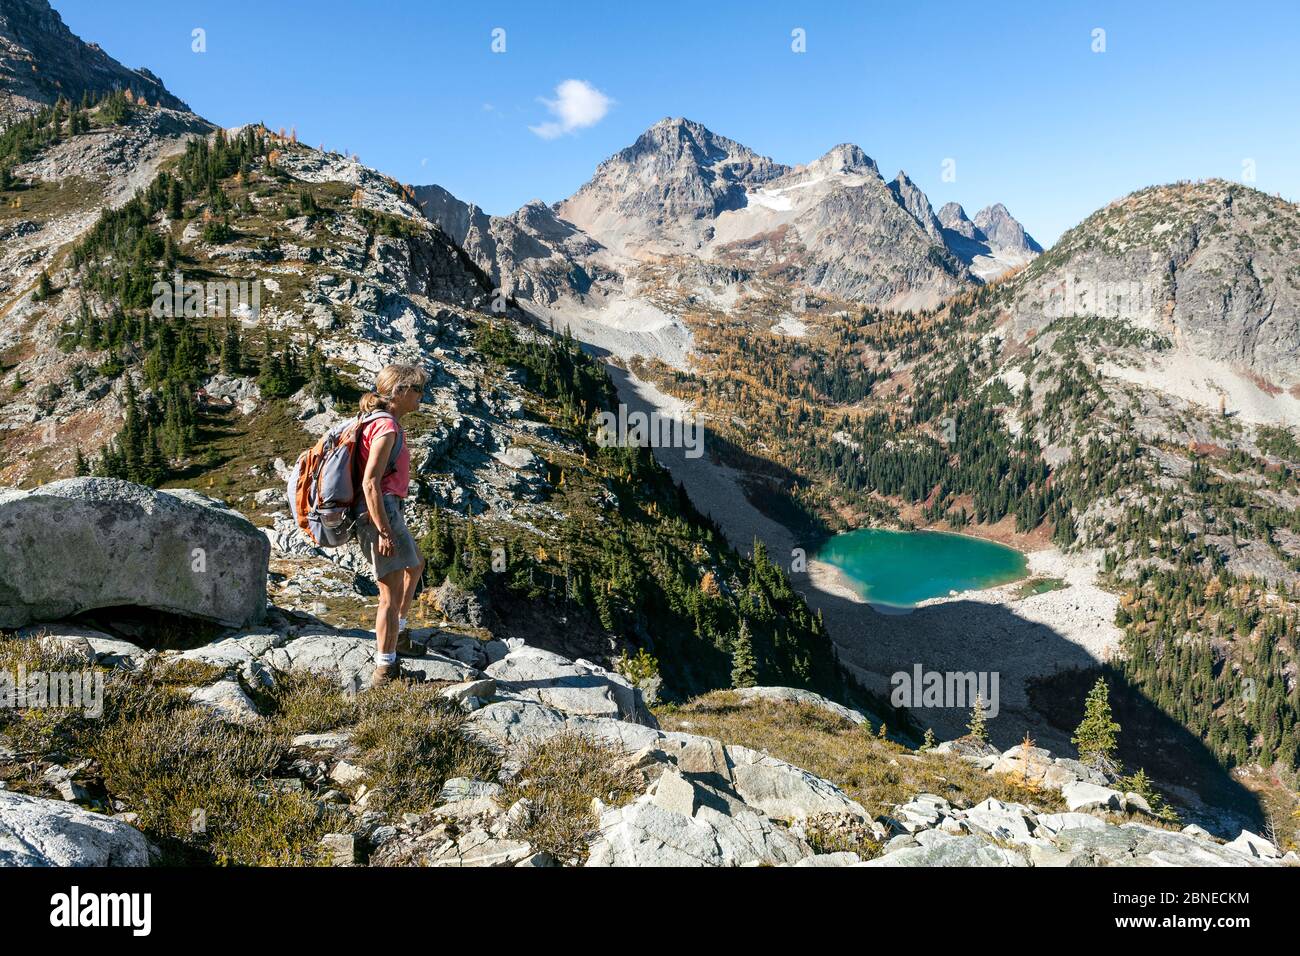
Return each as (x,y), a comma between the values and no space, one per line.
(412,740)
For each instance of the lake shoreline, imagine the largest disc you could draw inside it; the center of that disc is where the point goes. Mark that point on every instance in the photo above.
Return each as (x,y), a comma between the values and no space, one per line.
(895,569)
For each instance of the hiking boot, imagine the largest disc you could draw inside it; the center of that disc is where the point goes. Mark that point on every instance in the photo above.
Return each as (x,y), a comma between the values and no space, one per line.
(385,673)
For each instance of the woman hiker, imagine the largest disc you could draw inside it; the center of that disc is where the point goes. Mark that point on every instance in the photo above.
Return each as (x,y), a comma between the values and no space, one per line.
(381,528)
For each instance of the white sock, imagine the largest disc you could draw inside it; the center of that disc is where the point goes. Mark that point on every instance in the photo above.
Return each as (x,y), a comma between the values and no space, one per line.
(382,658)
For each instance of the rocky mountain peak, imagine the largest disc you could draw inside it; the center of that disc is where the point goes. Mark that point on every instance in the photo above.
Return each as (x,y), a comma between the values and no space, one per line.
(676,142)
(845,158)
(953,216)
(41,60)
(1003,231)
(657,191)
(908,195)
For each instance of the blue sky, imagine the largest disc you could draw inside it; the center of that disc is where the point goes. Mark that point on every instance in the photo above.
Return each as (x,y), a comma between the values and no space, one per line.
(1013,93)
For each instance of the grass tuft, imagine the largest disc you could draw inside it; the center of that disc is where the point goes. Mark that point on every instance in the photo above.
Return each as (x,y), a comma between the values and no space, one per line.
(411,741)
(559,777)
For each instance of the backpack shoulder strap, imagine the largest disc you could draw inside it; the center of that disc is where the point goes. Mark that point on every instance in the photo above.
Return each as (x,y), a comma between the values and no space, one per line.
(363,420)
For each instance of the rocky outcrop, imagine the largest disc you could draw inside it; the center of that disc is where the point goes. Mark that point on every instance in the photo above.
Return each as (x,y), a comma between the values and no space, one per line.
(577,687)
(1210,265)
(347,657)
(38,832)
(85,543)
(690,800)
(41,60)
(460,606)
(679,822)
(531,254)
(798,695)
(932,832)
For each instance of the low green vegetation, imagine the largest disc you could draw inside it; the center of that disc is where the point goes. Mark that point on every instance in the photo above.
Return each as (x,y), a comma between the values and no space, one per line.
(154,754)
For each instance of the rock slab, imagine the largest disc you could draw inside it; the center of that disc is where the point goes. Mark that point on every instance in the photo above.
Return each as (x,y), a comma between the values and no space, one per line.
(85,543)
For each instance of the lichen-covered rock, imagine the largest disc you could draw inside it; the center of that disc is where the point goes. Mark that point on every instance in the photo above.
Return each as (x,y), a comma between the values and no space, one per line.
(86,543)
(785,792)
(37,832)
(576,687)
(1135,844)
(1089,796)
(952,851)
(227,701)
(648,832)
(800,696)
(459,605)
(348,657)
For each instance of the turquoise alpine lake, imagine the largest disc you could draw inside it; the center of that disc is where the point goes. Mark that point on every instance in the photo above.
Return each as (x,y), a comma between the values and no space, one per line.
(902,568)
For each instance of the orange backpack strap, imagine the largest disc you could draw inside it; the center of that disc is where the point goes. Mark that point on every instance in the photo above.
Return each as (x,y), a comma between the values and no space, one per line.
(302,494)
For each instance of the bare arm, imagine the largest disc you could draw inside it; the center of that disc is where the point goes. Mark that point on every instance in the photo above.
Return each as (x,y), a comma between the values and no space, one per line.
(380,451)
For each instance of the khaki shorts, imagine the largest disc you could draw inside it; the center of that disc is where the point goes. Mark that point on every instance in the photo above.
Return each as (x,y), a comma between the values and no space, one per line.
(406,554)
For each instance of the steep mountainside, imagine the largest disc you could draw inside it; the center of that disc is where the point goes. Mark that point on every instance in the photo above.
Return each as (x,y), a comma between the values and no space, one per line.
(684,221)
(1213,265)
(41,60)
(310,272)
(531,254)
(1151,462)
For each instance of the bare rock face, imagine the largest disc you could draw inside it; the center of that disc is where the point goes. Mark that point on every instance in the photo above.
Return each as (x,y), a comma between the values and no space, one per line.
(991,244)
(952,217)
(911,198)
(86,543)
(531,254)
(1003,231)
(41,59)
(1209,265)
(665,188)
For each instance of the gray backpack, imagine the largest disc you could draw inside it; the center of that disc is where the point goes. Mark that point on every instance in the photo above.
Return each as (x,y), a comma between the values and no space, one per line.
(324,487)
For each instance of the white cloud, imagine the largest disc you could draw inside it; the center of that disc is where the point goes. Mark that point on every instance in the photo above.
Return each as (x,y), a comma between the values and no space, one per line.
(577,105)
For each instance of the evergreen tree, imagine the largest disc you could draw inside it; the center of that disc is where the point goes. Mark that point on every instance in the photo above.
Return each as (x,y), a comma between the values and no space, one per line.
(231,350)
(744,669)
(176,200)
(977,728)
(1096,735)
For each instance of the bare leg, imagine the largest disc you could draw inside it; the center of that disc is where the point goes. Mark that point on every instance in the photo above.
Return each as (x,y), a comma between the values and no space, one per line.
(390,600)
(411,583)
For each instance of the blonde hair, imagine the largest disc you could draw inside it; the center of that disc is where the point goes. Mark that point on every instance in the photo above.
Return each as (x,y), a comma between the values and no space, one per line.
(387,383)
